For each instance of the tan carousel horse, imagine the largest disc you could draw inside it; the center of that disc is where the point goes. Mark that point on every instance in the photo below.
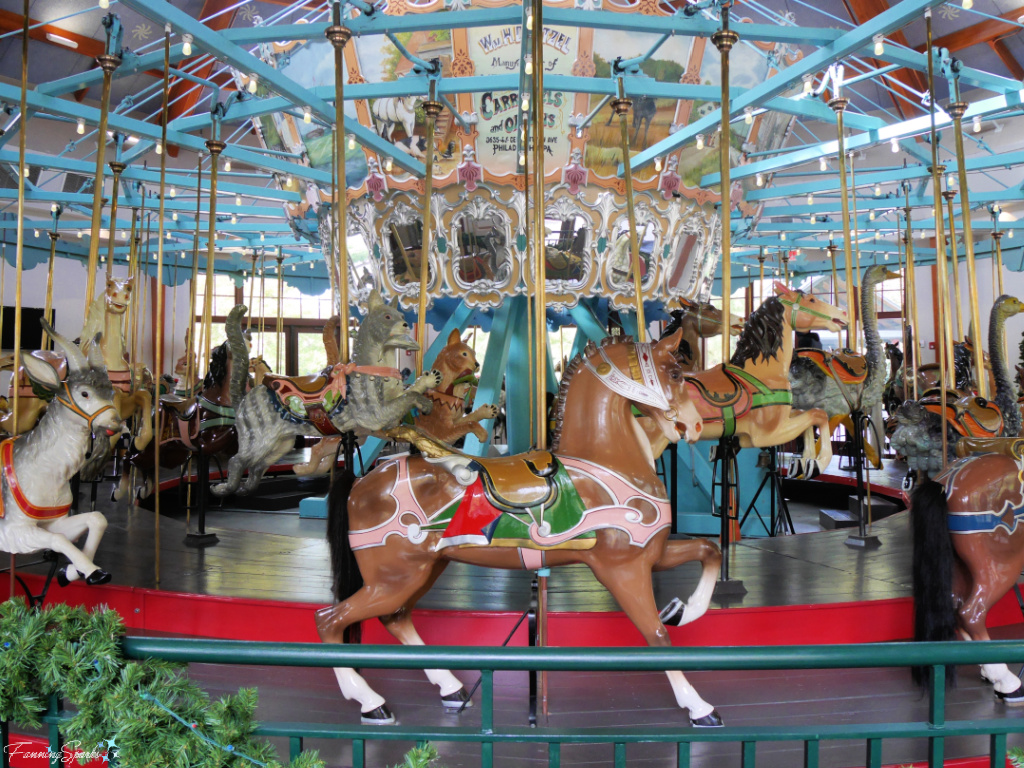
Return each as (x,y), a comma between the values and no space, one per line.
(597,500)
(968,533)
(750,396)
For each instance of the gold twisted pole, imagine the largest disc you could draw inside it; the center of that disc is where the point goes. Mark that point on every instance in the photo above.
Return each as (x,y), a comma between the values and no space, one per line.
(540,300)
(19,251)
(215,146)
(48,312)
(108,63)
(949,194)
(190,339)
(433,108)
(118,168)
(724,39)
(956,110)
(838,105)
(339,36)
(997,262)
(855,233)
(911,289)
(621,107)
(279,329)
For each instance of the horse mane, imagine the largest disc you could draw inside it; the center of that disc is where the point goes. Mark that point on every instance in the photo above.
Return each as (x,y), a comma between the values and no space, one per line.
(218,367)
(558,411)
(762,334)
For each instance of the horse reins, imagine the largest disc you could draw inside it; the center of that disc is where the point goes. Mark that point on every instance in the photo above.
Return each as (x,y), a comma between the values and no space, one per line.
(72,405)
(798,308)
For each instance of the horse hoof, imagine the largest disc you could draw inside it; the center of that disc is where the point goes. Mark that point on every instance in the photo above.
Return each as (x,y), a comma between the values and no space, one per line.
(456,700)
(1014,698)
(62,576)
(672,614)
(99,576)
(710,720)
(379,716)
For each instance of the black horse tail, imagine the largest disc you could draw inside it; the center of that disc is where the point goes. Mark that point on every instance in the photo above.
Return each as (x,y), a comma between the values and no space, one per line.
(347,579)
(934,611)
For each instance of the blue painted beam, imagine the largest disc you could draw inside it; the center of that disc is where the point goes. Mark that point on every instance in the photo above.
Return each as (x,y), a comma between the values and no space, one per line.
(456,321)
(506,317)
(894,18)
(588,325)
(518,383)
(162,12)
(131,64)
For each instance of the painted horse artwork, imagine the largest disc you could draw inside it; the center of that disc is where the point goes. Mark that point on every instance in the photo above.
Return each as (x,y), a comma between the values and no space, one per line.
(204,423)
(750,397)
(448,420)
(36,468)
(365,396)
(596,500)
(968,534)
(698,321)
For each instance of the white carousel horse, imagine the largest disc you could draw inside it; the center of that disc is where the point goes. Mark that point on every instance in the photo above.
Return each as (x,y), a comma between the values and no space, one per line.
(36,468)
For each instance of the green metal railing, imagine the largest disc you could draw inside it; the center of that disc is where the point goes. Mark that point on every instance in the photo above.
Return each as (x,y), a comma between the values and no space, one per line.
(937,656)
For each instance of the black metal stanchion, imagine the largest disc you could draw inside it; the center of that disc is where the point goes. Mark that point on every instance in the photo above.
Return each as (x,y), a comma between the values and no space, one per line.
(779,520)
(725,459)
(861,539)
(200,538)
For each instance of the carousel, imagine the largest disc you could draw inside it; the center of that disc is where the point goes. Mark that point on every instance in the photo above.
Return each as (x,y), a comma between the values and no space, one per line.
(491,341)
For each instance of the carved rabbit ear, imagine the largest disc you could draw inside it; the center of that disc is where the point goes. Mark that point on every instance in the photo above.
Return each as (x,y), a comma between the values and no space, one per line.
(76,360)
(375,301)
(454,337)
(41,372)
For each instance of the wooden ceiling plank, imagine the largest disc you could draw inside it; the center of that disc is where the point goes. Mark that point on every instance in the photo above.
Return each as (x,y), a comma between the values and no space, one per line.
(1008,59)
(87,46)
(983,32)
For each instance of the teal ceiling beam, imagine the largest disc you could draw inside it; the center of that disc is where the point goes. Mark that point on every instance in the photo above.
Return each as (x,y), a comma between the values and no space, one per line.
(163,12)
(823,206)
(905,57)
(849,42)
(131,64)
(898,131)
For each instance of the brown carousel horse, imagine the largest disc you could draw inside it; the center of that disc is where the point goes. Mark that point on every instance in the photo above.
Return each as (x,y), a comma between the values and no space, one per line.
(968,529)
(597,501)
(750,396)
(698,321)
(188,425)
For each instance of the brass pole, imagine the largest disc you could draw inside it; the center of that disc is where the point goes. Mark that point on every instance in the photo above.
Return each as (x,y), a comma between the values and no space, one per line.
(760,277)
(530,277)
(158,289)
(118,168)
(956,110)
(279,330)
(190,343)
(724,39)
(997,263)
(339,36)
(263,302)
(48,312)
(216,146)
(108,63)
(432,108)
(19,252)
(540,302)
(858,321)
(330,257)
(621,106)
(838,105)
(835,288)
(252,291)
(911,288)
(949,194)
(134,254)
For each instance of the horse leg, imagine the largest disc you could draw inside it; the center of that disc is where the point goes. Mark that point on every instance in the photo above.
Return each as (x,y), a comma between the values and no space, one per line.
(37,539)
(972,616)
(399,624)
(678,613)
(630,585)
(143,404)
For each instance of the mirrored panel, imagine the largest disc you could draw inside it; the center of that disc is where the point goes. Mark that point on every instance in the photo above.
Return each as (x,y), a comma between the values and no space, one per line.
(481,253)
(565,246)
(620,270)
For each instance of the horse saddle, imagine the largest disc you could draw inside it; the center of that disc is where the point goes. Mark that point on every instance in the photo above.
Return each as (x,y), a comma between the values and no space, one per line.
(1007,446)
(183,407)
(969,415)
(718,389)
(845,366)
(309,389)
(518,482)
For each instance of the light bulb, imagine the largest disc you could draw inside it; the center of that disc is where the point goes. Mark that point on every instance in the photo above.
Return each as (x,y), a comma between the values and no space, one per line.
(234,219)
(312,265)
(174,192)
(159,148)
(529,65)
(53,207)
(522,158)
(80,126)
(968,4)
(700,141)
(174,216)
(878,190)
(263,237)
(529,22)
(977,124)
(782,236)
(307,115)
(894,144)
(288,180)
(253,81)
(1009,234)
(871,216)
(657,163)
(388,162)
(822,164)
(120,234)
(808,83)
(186,44)
(524,103)
(182,254)
(879,46)
(351,141)
(876,239)
(238,199)
(35,232)
(950,181)
(80,234)
(810,199)
(759,180)
(168,235)
(227,166)
(748,115)
(814,219)
(27,171)
(293,267)
(104,4)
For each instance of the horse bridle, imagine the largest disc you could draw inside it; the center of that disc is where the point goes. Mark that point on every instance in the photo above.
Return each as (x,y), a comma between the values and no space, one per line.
(798,308)
(72,405)
(642,385)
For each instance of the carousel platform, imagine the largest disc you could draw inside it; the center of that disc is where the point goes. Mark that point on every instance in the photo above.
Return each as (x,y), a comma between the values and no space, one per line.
(269,572)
